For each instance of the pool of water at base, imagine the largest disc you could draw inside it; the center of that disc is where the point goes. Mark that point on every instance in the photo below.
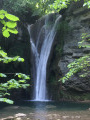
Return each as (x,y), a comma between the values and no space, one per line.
(36,109)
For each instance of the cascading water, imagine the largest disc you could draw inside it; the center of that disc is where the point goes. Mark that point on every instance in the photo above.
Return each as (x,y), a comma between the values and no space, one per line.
(41,54)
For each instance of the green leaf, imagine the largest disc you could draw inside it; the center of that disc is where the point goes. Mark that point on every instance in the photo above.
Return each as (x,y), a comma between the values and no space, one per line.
(3,22)
(25,85)
(4,28)
(6,100)
(14,31)
(6,33)
(7,94)
(11,17)
(20,60)
(3,12)
(2,89)
(2,75)
(23,76)
(22,81)
(4,85)
(1,96)
(2,16)
(11,24)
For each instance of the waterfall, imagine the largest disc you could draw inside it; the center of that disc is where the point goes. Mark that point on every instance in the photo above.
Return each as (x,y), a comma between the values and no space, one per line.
(41,48)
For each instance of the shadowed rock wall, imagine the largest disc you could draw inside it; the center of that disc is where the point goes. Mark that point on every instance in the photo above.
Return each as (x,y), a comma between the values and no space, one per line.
(75,88)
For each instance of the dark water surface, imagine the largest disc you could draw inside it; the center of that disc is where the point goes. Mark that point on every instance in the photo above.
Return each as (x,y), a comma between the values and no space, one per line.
(37,109)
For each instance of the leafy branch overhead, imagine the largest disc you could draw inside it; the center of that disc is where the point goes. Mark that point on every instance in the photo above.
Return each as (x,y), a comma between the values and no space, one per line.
(19,81)
(12,84)
(9,23)
(39,7)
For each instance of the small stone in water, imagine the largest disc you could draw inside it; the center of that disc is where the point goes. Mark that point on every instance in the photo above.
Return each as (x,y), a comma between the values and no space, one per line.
(77,117)
(28,118)
(18,118)
(20,115)
(65,117)
(72,117)
(8,118)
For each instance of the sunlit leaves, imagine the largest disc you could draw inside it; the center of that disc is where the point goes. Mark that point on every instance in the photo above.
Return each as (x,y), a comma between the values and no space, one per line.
(5,59)
(85,38)
(11,17)
(2,53)
(6,33)
(87,3)
(6,100)
(2,88)
(12,84)
(14,31)
(60,4)
(40,7)
(3,21)
(2,75)
(3,12)
(1,16)
(10,23)
(23,76)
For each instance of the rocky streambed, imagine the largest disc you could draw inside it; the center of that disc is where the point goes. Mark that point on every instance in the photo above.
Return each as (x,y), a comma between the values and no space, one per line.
(62,115)
(28,110)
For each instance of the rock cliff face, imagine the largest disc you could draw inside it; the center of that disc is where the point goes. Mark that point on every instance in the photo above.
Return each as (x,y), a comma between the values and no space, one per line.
(79,22)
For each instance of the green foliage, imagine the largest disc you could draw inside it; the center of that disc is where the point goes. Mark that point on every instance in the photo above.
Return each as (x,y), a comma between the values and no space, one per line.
(81,64)
(2,75)
(39,7)
(60,4)
(5,59)
(6,100)
(11,17)
(23,76)
(10,23)
(85,38)
(87,3)
(12,84)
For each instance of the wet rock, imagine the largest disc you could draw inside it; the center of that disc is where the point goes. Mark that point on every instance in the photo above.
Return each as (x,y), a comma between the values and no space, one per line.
(78,117)
(78,22)
(72,117)
(65,117)
(77,55)
(86,50)
(8,118)
(20,115)
(50,117)
(18,118)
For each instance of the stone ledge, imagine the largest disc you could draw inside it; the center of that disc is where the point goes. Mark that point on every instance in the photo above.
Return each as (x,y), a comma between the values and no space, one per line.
(81,11)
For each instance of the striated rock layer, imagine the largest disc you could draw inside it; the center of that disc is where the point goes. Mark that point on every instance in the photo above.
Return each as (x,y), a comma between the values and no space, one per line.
(75,88)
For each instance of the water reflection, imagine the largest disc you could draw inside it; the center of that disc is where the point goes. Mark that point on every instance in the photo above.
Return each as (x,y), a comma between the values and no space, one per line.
(40,111)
